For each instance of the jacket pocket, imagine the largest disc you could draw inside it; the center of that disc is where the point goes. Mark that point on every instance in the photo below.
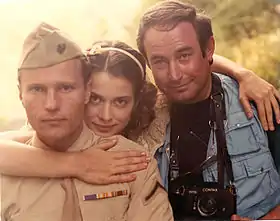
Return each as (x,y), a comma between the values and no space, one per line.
(255,176)
(255,179)
(252,167)
(242,138)
(112,204)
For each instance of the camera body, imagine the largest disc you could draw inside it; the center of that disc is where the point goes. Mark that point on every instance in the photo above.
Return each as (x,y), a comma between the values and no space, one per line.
(206,201)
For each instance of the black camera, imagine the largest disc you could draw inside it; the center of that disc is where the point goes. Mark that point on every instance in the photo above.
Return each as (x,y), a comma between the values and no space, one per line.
(206,201)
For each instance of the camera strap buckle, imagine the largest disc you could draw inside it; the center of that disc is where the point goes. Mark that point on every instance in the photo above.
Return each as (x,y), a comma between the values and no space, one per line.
(174,167)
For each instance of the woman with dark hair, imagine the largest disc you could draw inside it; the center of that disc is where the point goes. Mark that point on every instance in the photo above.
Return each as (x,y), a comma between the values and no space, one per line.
(122,101)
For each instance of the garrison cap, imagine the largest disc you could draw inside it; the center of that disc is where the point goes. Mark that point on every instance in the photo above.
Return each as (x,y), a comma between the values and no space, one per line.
(47,46)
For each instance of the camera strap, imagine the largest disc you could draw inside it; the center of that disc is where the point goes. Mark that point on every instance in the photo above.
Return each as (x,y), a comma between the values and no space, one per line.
(218,113)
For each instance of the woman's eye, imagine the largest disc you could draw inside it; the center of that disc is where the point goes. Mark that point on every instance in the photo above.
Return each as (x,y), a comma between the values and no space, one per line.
(121,102)
(95,100)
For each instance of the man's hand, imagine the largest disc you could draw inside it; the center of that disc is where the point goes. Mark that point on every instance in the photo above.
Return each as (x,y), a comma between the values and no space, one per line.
(273,214)
(239,218)
(98,166)
(266,97)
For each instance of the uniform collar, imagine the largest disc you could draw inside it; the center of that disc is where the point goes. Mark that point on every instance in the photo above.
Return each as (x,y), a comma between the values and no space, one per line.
(84,141)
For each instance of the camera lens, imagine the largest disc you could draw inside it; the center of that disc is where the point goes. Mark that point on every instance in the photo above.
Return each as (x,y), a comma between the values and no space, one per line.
(206,206)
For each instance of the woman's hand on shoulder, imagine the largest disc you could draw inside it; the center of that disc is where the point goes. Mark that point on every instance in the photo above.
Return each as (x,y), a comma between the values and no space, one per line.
(97,165)
(265,95)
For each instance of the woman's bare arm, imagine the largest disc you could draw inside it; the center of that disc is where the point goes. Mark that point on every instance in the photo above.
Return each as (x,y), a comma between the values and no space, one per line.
(19,159)
(252,88)
(18,136)
(95,165)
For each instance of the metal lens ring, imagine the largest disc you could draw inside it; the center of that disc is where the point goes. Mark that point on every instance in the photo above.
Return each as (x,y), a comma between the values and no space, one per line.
(206,206)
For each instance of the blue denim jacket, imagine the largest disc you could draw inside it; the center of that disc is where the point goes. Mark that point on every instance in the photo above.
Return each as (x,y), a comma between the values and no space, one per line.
(255,176)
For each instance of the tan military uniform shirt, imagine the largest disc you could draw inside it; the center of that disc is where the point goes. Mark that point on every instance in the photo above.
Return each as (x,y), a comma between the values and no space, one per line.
(34,199)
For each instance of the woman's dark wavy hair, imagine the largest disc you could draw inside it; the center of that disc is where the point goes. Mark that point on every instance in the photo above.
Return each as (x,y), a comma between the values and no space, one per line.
(120,65)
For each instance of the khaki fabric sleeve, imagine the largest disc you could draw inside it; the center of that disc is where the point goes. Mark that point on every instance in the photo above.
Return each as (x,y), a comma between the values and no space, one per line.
(149,200)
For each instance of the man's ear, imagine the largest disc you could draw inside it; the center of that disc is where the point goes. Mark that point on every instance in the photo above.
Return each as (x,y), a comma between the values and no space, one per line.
(210,49)
(20,93)
(88,91)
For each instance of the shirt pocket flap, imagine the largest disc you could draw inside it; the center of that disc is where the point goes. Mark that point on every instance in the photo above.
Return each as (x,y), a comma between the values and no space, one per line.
(237,120)
(252,166)
(241,138)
